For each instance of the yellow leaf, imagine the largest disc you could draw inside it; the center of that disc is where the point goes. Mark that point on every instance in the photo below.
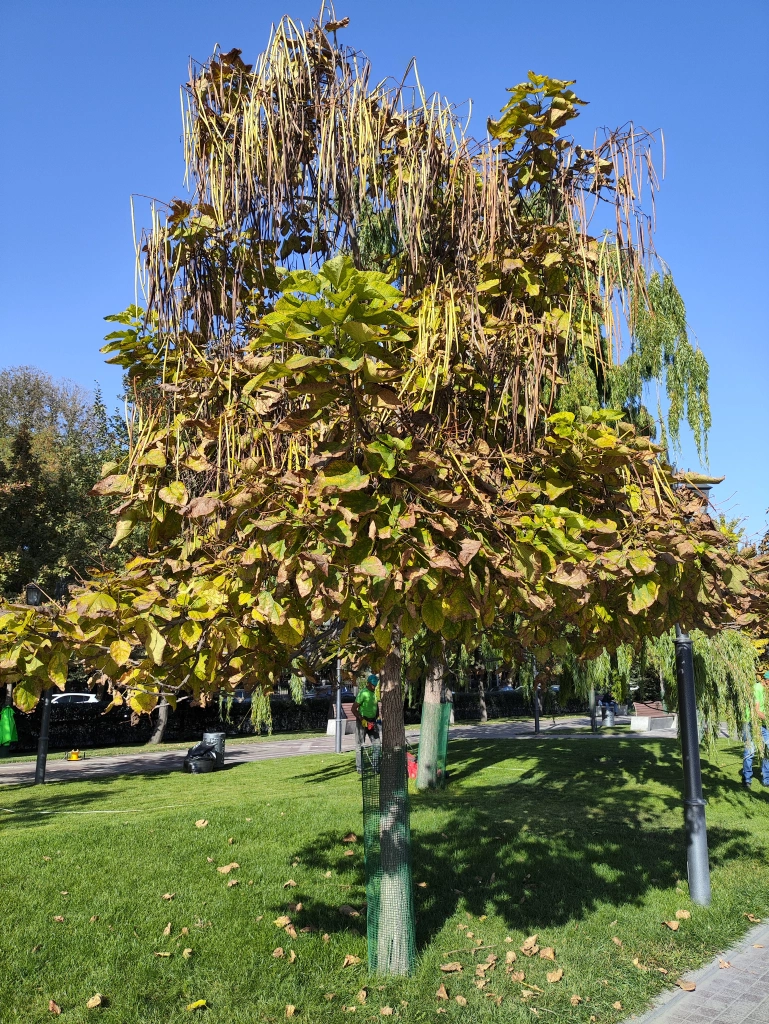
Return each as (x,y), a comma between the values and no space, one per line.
(350,960)
(187,953)
(617,1005)
(290,884)
(162,954)
(281,922)
(387,1011)
(120,651)
(554,976)
(197,1005)
(291,956)
(95,1000)
(683,915)
(168,895)
(167,929)
(290,1010)
(201,823)
(226,868)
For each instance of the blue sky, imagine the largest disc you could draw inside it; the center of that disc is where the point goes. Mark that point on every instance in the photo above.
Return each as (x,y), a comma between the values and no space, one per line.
(91,114)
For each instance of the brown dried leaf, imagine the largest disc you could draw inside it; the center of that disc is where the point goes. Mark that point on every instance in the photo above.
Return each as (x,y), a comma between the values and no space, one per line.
(672,925)
(278,953)
(232,881)
(329,996)
(481,982)
(162,954)
(37,948)
(349,911)
(637,963)
(752,918)
(326,937)
(54,1008)
(59,919)
(350,838)
(201,823)
(554,976)
(281,922)
(290,1009)
(167,929)
(361,996)
(94,918)
(548,953)
(350,960)
(616,941)
(96,1000)
(452,968)
(226,868)
(349,853)
(290,884)
(308,929)
(460,1000)
(683,915)
(442,993)
(231,841)
(687,986)
(575,1000)
(518,976)
(210,860)
(422,885)
(290,931)
(168,895)
(510,956)
(386,1011)
(291,956)
(295,908)
(617,1005)
(529,943)
(723,964)
(187,953)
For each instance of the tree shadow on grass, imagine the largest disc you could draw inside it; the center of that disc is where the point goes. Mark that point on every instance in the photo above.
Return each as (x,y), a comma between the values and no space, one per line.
(555,830)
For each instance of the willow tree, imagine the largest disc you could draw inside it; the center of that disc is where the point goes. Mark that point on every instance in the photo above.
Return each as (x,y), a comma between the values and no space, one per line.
(344,389)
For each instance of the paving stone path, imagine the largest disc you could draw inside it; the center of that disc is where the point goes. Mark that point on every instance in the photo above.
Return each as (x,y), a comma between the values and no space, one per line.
(738,994)
(241,752)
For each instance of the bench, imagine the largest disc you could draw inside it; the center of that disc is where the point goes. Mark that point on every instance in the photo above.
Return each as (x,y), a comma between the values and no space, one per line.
(650,716)
(348,720)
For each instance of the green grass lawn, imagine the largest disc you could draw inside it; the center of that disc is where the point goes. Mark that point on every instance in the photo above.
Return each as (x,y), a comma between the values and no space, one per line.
(579,843)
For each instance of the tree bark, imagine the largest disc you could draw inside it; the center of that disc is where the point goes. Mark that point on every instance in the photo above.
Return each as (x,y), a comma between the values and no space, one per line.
(482,700)
(162,721)
(429,735)
(395,934)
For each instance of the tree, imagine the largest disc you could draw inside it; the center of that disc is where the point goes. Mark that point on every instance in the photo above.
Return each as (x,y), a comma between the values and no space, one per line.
(375,448)
(54,440)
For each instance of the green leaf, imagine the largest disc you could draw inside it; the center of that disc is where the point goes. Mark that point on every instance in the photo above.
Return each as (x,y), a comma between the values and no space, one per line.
(152,639)
(641,563)
(643,596)
(174,494)
(372,566)
(154,457)
(383,637)
(342,476)
(57,668)
(432,614)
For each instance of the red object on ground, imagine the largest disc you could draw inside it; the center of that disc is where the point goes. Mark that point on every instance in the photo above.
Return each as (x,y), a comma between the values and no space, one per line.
(411,765)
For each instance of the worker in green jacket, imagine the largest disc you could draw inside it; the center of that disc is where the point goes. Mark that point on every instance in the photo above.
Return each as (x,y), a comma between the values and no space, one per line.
(366,712)
(758,710)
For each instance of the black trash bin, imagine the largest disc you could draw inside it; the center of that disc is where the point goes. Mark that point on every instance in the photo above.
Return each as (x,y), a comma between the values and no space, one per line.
(216,740)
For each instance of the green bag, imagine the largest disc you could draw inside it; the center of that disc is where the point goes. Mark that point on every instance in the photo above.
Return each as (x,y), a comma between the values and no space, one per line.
(8,732)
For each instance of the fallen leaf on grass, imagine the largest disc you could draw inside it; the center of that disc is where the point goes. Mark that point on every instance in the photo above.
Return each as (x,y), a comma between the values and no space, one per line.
(59,919)
(350,960)
(201,823)
(362,995)
(617,941)
(672,925)
(290,931)
(480,983)
(278,953)
(94,918)
(226,868)
(168,895)
(662,970)
(210,860)
(441,993)
(231,841)
(687,986)
(461,1000)
(54,1008)
(327,874)
(510,956)
(517,976)
(509,939)
(575,1000)
(326,937)
(95,1001)
(199,1004)
(723,964)
(162,954)
(64,892)
(46,858)
(554,976)
(348,911)
(329,996)
(290,1009)
(167,929)
(349,853)
(453,968)
(387,1011)
(232,881)
(528,994)
(350,838)
(617,1005)
(683,915)
(290,884)
(548,953)
(296,908)
(36,948)
(530,947)
(752,918)
(637,963)
(187,953)
(308,929)
(291,956)
(281,922)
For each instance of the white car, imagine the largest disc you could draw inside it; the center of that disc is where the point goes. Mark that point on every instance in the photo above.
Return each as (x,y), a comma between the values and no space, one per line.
(74,698)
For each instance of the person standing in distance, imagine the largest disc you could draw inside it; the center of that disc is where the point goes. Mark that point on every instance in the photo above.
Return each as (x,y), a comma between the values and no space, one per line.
(759,710)
(366,712)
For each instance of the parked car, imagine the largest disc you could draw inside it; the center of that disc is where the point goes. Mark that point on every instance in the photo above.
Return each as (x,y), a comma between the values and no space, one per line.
(61,699)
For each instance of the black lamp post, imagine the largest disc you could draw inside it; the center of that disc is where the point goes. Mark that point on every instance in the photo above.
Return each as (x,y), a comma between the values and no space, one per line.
(33,596)
(698,866)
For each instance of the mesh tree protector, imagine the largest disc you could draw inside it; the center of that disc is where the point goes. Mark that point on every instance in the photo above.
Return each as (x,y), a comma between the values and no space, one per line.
(433,744)
(387,842)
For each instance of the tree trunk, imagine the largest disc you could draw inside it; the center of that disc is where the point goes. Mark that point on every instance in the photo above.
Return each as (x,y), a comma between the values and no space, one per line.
(429,734)
(160,725)
(395,933)
(482,700)
(593,713)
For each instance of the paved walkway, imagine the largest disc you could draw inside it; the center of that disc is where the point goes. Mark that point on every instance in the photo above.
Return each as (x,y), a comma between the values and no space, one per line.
(240,752)
(737,994)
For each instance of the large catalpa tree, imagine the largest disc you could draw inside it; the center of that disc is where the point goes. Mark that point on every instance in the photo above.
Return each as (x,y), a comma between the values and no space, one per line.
(344,384)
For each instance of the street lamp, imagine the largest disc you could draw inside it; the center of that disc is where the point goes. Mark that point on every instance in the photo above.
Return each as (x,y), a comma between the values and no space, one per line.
(698,867)
(33,596)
